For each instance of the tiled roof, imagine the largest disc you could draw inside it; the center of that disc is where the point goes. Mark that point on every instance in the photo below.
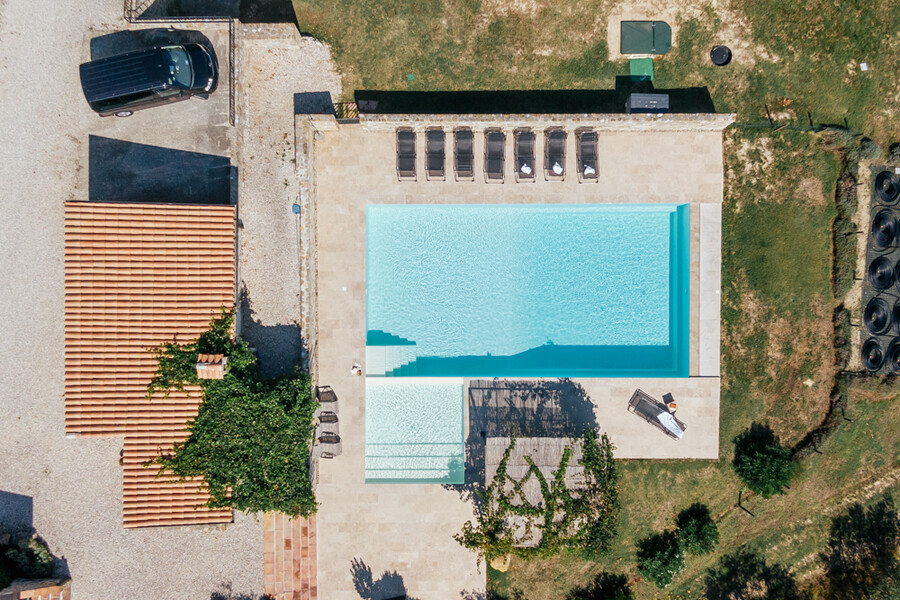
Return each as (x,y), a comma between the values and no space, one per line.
(137,275)
(211,366)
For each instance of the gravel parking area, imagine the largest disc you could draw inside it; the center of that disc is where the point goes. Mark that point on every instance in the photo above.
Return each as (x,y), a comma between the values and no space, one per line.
(75,485)
(275,65)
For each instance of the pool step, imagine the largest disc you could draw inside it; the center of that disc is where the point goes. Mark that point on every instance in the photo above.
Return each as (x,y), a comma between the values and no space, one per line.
(406,466)
(388,355)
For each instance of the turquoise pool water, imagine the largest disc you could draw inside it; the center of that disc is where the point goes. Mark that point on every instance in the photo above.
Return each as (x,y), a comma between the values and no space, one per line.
(527,290)
(414,431)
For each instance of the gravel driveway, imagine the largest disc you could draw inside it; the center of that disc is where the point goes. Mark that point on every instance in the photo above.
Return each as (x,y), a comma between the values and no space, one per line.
(75,485)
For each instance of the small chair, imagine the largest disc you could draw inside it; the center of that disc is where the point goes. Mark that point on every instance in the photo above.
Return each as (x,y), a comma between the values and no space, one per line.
(434,154)
(555,155)
(464,155)
(524,143)
(406,154)
(494,154)
(587,155)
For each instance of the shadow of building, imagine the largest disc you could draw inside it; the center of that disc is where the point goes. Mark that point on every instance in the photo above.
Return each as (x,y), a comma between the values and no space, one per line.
(279,348)
(121,171)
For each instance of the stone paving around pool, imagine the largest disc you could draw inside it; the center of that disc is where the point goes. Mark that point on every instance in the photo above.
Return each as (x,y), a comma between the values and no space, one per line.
(403,533)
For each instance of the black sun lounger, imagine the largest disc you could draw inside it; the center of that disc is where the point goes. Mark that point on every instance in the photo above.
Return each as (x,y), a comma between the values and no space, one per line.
(406,154)
(464,154)
(649,408)
(434,154)
(587,155)
(555,156)
(524,155)
(494,142)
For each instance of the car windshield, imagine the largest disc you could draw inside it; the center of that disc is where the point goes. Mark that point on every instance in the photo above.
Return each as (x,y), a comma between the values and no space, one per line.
(179,66)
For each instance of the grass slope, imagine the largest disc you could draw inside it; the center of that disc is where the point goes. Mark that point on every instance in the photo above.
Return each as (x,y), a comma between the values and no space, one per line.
(802,61)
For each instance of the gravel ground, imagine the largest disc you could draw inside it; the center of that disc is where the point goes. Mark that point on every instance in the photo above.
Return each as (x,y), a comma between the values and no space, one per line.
(274,70)
(75,484)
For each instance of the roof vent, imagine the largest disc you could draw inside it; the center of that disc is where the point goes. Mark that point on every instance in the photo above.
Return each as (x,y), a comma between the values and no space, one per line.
(211,366)
(892,356)
(887,187)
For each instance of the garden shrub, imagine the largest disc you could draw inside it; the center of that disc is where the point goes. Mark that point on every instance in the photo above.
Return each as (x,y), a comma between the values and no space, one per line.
(251,438)
(660,557)
(697,531)
(31,558)
(762,463)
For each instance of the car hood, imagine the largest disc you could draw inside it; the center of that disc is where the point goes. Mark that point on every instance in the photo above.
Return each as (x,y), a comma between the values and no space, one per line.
(204,66)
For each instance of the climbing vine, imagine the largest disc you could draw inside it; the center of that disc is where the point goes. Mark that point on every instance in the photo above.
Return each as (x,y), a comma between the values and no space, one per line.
(567,517)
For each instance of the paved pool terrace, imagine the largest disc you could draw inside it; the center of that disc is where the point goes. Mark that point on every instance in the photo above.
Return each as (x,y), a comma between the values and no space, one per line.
(408,528)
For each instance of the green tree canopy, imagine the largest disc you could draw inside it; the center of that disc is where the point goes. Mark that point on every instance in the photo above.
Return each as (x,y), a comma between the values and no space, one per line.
(762,463)
(660,557)
(696,529)
(250,440)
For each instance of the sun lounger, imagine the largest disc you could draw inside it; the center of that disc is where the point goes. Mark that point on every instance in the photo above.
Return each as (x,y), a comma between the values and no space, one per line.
(587,155)
(464,155)
(524,155)
(406,154)
(555,155)
(650,409)
(434,154)
(494,143)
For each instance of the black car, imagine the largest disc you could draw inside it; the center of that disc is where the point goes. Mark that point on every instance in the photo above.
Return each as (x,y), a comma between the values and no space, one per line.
(120,85)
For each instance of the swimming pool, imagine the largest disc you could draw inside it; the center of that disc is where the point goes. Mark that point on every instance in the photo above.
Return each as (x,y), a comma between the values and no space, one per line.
(527,290)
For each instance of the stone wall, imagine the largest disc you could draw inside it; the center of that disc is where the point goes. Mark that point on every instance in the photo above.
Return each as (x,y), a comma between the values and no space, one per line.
(599,122)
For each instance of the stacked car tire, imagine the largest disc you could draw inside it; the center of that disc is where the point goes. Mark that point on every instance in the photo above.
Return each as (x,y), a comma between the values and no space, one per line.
(880,348)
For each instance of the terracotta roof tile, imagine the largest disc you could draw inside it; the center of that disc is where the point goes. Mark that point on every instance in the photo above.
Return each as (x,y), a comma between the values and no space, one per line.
(138,275)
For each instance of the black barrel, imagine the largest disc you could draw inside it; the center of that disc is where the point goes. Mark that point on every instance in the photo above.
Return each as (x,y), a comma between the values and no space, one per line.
(881,273)
(892,356)
(887,187)
(872,355)
(884,228)
(720,55)
(877,316)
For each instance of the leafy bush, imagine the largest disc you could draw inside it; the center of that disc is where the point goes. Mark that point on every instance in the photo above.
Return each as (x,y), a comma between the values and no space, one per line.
(762,463)
(866,150)
(894,152)
(251,437)
(660,557)
(696,529)
(31,558)
(606,586)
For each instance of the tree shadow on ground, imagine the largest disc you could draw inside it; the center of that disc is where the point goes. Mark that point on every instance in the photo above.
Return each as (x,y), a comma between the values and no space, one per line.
(389,586)
(744,574)
(279,348)
(557,408)
(862,549)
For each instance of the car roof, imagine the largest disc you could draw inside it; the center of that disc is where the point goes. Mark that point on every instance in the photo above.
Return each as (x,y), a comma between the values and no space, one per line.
(124,74)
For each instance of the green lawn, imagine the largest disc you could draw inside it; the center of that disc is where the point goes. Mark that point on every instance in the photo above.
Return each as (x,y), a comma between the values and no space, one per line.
(800,60)
(777,334)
